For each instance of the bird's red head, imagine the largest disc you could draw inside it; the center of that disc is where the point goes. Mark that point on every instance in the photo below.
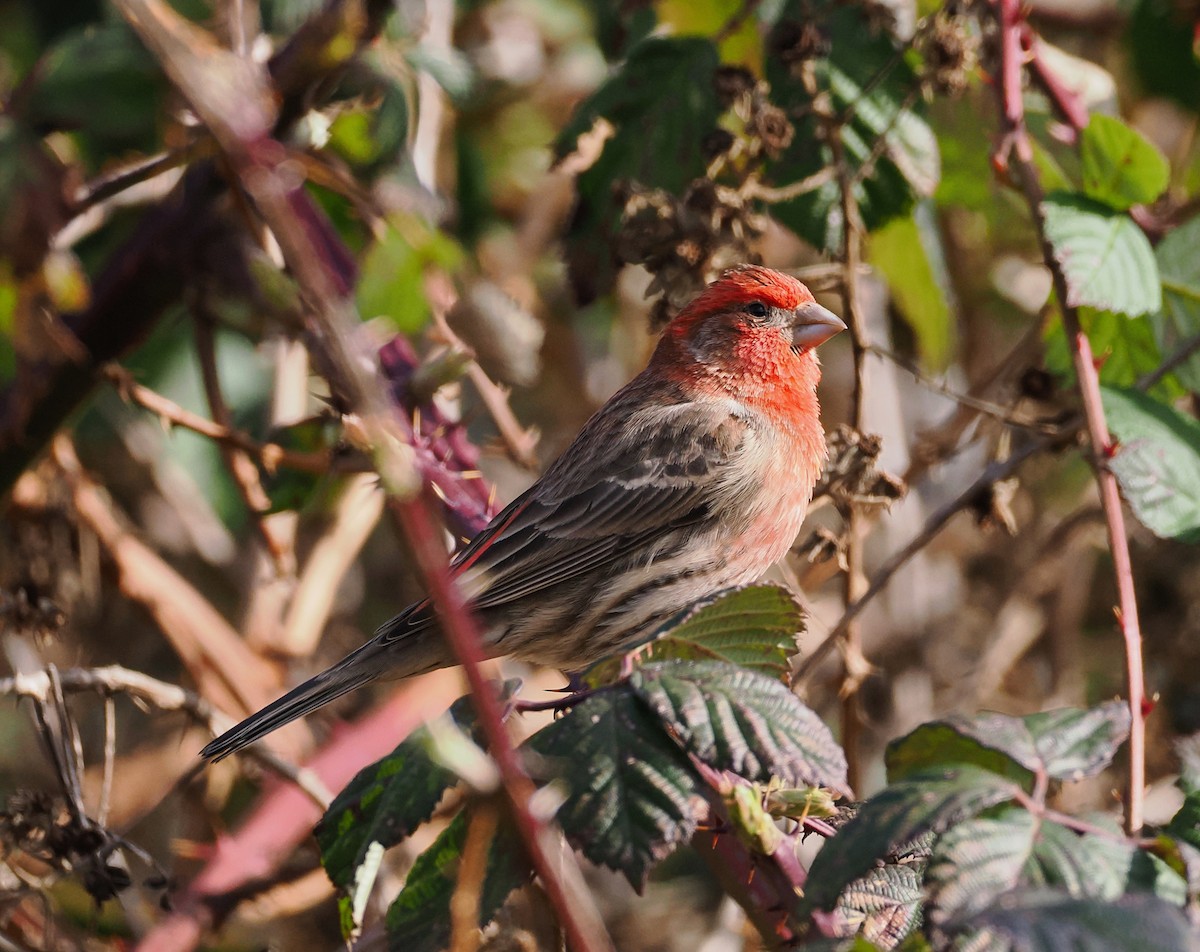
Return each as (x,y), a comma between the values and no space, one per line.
(750,322)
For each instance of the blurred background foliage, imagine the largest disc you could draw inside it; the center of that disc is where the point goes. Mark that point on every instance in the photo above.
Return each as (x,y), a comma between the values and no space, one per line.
(526,189)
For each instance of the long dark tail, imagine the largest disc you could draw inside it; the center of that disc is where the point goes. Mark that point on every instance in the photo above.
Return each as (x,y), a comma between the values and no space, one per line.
(405,646)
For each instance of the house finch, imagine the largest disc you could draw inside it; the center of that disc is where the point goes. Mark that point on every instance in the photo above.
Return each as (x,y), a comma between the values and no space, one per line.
(695,476)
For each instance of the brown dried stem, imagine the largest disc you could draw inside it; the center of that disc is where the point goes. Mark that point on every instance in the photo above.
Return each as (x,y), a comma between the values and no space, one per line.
(855,579)
(271,455)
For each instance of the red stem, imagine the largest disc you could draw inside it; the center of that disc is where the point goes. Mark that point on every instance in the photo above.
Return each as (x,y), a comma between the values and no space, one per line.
(1016,137)
(323,268)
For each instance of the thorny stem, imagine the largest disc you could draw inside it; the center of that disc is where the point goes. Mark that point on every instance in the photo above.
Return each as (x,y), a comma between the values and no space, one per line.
(321,266)
(1016,147)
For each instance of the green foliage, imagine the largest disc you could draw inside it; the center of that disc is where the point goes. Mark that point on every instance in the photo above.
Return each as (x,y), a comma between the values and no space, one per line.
(418,920)
(1066,744)
(655,141)
(1125,348)
(932,799)
(102,81)
(381,806)
(1157,462)
(1120,167)
(754,626)
(1048,921)
(1105,256)
(899,251)
(1164,57)
(877,91)
(737,720)
(1179,320)
(391,284)
(629,786)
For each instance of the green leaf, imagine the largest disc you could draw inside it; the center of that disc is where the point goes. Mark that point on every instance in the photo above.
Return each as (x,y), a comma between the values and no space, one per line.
(393,271)
(381,806)
(1179,320)
(930,799)
(995,742)
(100,80)
(656,141)
(899,251)
(372,133)
(1120,167)
(739,720)
(977,861)
(1087,867)
(1157,462)
(754,627)
(885,905)
(1105,257)
(1125,348)
(418,920)
(1047,921)
(629,788)
(1066,744)
(1074,743)
(868,82)
(1185,824)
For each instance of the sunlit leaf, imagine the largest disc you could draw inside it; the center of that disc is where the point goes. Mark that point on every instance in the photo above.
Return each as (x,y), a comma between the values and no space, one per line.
(898,250)
(1067,744)
(977,861)
(885,905)
(1105,257)
(739,720)
(1157,462)
(1120,167)
(393,272)
(754,627)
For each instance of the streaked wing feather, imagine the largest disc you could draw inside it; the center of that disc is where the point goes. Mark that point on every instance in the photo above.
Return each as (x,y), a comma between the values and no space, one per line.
(595,506)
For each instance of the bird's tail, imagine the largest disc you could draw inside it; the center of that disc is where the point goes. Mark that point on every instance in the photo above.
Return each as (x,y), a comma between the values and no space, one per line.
(393,652)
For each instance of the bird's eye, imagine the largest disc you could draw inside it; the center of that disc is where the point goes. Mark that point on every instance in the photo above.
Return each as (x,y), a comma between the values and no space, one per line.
(756,309)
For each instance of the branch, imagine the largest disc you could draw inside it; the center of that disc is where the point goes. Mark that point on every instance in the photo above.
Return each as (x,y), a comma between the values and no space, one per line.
(226,671)
(321,265)
(112,680)
(271,455)
(1014,41)
(249,856)
(996,472)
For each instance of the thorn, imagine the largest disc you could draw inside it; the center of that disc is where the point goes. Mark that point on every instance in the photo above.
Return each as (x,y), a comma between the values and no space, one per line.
(1110,449)
(1148,706)
(750,878)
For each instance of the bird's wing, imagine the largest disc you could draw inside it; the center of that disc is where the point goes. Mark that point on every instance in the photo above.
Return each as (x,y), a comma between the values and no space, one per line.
(605,497)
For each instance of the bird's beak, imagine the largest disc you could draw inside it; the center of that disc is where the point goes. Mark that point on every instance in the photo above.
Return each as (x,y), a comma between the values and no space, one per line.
(814,325)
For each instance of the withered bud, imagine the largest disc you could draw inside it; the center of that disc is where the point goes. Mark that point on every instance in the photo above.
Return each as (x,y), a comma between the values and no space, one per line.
(770,124)
(732,82)
(794,42)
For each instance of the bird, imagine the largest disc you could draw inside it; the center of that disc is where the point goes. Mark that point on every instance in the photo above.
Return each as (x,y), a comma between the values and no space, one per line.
(694,477)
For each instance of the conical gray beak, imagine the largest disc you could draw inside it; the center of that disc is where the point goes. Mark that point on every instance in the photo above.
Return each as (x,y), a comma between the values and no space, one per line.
(814,325)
